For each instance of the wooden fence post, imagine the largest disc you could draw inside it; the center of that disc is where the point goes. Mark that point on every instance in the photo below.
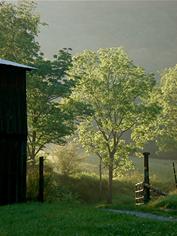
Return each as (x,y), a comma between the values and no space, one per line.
(41,180)
(146,177)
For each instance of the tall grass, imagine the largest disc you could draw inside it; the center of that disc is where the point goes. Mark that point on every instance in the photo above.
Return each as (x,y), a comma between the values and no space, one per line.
(167,202)
(84,186)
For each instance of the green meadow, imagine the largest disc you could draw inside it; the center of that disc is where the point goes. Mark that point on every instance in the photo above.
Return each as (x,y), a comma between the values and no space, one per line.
(74,207)
(61,219)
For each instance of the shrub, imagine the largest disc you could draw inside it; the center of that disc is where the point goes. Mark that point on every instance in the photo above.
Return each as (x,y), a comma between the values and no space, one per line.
(84,186)
(63,193)
(168,202)
(66,159)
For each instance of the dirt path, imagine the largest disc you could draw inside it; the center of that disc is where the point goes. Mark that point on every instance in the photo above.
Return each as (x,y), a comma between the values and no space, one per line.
(144,215)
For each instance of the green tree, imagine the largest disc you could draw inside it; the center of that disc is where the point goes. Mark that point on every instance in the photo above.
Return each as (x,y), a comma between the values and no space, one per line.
(48,122)
(117,91)
(19,28)
(66,158)
(167,97)
(162,131)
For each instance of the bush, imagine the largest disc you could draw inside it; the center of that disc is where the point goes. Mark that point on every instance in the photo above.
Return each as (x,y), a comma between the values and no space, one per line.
(168,202)
(66,159)
(62,193)
(85,187)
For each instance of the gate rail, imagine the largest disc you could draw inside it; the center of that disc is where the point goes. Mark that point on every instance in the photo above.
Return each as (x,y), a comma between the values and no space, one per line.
(141,193)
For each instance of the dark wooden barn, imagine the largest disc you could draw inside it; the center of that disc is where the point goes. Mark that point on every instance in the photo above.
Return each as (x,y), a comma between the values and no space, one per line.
(13,132)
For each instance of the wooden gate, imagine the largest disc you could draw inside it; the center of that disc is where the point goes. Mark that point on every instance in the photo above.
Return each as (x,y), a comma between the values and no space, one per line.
(139,193)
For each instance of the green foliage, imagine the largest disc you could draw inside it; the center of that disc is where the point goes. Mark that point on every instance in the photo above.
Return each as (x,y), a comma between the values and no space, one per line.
(168,100)
(83,188)
(163,128)
(63,194)
(19,28)
(117,92)
(66,159)
(168,202)
(48,121)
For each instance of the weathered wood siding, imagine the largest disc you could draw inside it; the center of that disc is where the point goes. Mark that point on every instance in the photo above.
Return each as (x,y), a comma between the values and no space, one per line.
(13,134)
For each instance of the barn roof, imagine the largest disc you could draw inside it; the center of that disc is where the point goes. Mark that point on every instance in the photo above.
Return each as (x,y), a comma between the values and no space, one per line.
(14,64)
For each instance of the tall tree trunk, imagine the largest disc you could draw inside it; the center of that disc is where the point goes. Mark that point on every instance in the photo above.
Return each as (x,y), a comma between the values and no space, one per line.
(33,154)
(100,178)
(109,199)
(32,146)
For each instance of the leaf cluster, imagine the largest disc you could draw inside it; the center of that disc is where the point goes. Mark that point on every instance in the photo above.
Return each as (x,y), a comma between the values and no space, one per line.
(19,28)
(117,91)
(48,121)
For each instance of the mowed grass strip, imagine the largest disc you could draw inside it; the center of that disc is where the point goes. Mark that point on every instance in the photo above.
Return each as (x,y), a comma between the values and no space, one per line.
(70,220)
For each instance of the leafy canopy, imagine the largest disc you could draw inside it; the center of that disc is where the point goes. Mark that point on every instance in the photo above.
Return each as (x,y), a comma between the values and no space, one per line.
(19,28)
(117,91)
(167,97)
(48,122)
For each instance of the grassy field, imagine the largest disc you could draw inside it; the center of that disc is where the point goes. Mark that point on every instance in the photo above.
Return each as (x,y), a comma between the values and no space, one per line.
(80,211)
(71,218)
(74,220)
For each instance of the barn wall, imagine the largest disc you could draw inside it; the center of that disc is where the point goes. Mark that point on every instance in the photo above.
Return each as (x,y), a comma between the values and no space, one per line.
(13,135)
